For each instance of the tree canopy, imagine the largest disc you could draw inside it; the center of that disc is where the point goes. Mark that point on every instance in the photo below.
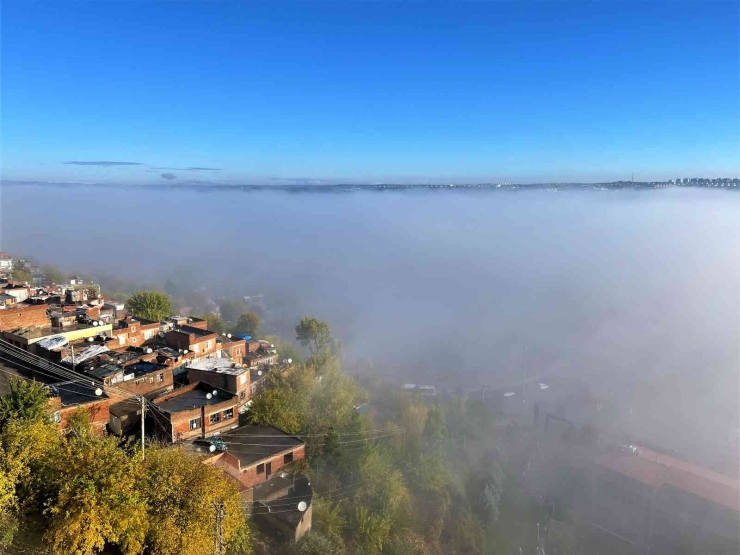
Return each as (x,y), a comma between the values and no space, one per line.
(231,309)
(314,334)
(27,400)
(151,305)
(248,323)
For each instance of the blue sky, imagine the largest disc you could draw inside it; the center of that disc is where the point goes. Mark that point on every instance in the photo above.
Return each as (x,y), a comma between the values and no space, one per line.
(369,91)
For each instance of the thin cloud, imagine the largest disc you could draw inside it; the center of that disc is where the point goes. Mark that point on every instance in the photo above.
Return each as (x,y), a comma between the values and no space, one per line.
(105,163)
(169,176)
(192,169)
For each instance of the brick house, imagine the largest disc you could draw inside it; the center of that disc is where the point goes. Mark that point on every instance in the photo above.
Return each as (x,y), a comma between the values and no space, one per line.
(260,353)
(24,316)
(255,453)
(200,342)
(222,373)
(67,397)
(231,347)
(142,378)
(134,332)
(196,410)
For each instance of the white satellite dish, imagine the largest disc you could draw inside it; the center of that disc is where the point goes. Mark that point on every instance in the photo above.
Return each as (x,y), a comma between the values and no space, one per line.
(544,386)
(96,323)
(509,394)
(208,396)
(302,506)
(259,372)
(215,392)
(290,361)
(185,352)
(149,351)
(224,334)
(228,335)
(98,392)
(212,448)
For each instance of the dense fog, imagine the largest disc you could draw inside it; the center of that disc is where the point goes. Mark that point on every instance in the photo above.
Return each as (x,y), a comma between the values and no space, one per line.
(634,292)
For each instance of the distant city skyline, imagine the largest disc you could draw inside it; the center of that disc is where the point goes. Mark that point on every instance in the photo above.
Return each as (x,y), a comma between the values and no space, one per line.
(375,92)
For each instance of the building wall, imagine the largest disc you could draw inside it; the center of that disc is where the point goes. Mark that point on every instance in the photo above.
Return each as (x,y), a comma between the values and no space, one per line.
(177,339)
(149,388)
(98,411)
(178,423)
(23,317)
(228,382)
(249,476)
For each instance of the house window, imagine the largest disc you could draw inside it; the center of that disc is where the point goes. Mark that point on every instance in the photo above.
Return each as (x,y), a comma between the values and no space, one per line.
(237,351)
(139,381)
(288,458)
(260,468)
(121,339)
(243,379)
(196,348)
(56,417)
(160,378)
(215,418)
(151,379)
(253,388)
(242,395)
(208,345)
(195,423)
(228,413)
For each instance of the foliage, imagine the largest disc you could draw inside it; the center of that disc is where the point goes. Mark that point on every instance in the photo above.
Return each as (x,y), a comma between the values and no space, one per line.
(317,544)
(248,324)
(231,309)
(214,322)
(371,530)
(151,305)
(314,334)
(22,275)
(286,349)
(182,495)
(54,274)
(329,519)
(171,289)
(92,498)
(26,399)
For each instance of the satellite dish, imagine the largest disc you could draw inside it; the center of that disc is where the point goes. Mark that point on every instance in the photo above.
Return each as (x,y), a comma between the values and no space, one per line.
(290,361)
(212,448)
(509,394)
(208,396)
(224,333)
(259,372)
(98,392)
(149,351)
(215,392)
(271,345)
(90,339)
(228,335)
(302,506)
(185,352)
(96,323)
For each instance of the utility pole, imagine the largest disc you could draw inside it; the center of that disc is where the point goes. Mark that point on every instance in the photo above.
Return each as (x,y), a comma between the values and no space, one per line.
(73,357)
(218,540)
(143,413)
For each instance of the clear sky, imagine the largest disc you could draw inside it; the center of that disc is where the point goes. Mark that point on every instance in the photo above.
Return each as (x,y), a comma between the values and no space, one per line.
(369,91)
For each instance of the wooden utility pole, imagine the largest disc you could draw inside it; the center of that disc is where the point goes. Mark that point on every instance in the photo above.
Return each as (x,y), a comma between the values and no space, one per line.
(143,414)
(218,540)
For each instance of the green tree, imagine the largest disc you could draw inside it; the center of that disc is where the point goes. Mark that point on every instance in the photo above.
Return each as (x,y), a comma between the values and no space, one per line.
(371,530)
(92,497)
(314,334)
(248,323)
(317,544)
(27,399)
(55,275)
(328,519)
(182,495)
(435,429)
(231,309)
(214,322)
(151,305)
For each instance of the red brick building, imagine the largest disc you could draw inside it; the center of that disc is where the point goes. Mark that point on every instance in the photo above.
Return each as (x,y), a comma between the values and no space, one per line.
(68,397)
(255,453)
(134,332)
(223,373)
(142,378)
(231,347)
(200,342)
(23,317)
(196,410)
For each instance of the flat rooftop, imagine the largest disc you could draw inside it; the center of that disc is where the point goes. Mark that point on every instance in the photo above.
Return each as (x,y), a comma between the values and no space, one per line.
(195,331)
(76,393)
(250,444)
(217,365)
(185,400)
